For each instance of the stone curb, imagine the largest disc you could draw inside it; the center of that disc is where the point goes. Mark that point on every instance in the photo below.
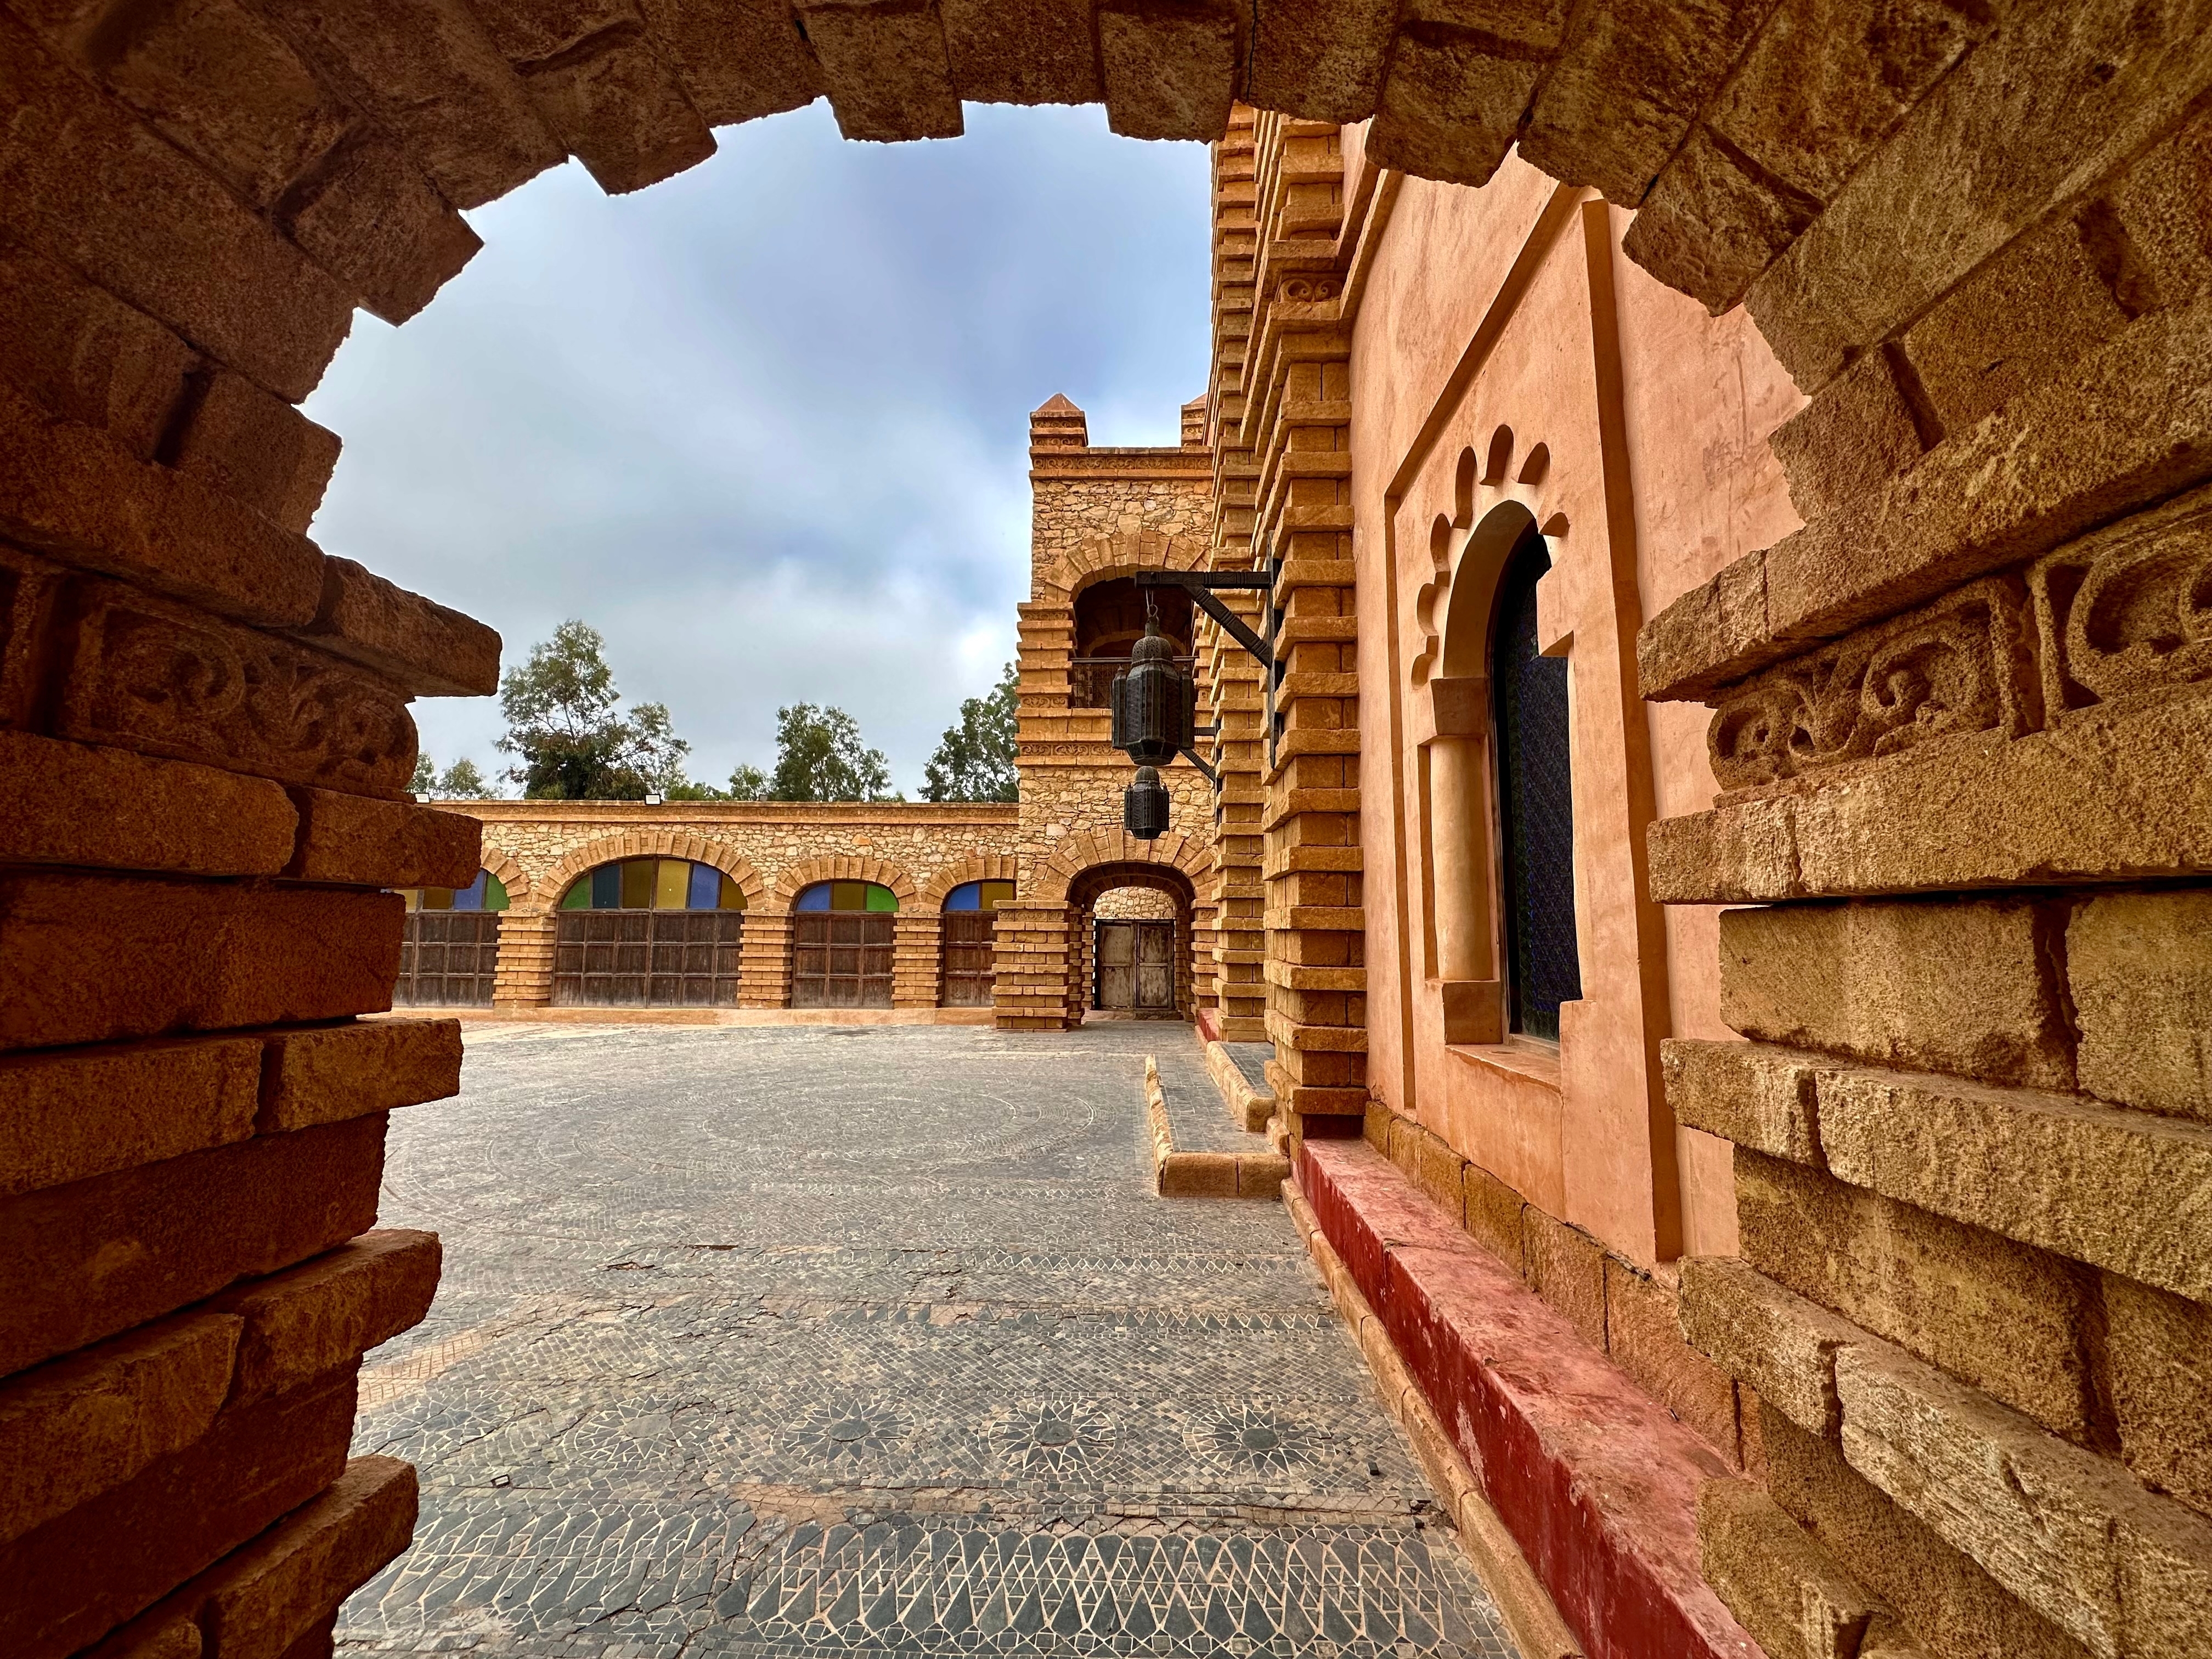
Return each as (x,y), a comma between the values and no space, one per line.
(1249,1106)
(1530,1615)
(1204,1175)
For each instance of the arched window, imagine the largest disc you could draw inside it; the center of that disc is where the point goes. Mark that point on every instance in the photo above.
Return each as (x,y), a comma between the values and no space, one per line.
(654,884)
(970,976)
(842,935)
(649,933)
(1535,803)
(1110,620)
(449,950)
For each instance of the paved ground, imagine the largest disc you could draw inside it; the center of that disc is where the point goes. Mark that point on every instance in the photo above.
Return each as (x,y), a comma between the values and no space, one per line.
(777,1341)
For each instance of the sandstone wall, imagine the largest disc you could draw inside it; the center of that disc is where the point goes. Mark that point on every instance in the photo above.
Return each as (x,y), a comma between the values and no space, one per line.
(772,850)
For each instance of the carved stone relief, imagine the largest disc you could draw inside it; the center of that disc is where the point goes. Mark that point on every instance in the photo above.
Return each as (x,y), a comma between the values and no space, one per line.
(1963,664)
(148,675)
(2128,610)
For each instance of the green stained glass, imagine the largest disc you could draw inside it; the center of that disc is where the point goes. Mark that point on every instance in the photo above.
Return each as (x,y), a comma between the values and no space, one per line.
(495,892)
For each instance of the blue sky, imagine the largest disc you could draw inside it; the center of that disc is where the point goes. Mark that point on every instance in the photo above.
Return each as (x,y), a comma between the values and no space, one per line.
(765,424)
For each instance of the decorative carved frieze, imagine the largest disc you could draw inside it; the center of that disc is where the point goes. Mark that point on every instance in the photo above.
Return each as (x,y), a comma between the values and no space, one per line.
(163,679)
(1963,664)
(2128,610)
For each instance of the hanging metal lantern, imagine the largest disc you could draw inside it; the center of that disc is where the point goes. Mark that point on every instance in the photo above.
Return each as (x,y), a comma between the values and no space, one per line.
(1144,806)
(1153,703)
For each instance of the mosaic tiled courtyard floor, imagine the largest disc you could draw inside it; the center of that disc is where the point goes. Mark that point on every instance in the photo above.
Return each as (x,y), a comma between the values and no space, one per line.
(800,1341)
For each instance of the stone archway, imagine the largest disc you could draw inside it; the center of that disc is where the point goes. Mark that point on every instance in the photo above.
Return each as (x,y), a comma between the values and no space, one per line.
(1084,892)
(196,198)
(914,932)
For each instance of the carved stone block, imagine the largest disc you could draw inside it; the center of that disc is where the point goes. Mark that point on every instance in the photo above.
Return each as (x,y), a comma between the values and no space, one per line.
(163,679)
(1962,664)
(2128,610)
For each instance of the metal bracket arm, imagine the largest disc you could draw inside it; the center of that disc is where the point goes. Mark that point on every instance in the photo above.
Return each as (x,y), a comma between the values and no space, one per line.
(1199,584)
(1205,771)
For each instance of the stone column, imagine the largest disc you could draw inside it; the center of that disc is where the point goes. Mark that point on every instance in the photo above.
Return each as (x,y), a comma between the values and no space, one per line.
(526,959)
(917,953)
(764,963)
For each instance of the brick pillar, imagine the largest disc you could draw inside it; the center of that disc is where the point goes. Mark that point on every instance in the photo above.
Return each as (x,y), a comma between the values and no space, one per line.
(1238,696)
(1302,518)
(1029,958)
(764,963)
(526,959)
(917,940)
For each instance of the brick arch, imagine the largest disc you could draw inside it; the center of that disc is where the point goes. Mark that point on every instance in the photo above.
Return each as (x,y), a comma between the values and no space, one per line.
(642,843)
(1103,558)
(842,867)
(989,866)
(1088,849)
(512,876)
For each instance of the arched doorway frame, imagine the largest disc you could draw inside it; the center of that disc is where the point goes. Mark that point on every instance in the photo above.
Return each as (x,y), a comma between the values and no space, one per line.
(914,930)
(527,935)
(934,891)
(1091,862)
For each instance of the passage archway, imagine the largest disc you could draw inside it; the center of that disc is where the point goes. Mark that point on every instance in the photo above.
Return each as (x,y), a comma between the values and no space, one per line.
(649,933)
(1129,943)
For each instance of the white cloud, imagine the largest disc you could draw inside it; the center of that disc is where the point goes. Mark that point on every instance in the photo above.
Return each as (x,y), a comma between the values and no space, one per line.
(765,424)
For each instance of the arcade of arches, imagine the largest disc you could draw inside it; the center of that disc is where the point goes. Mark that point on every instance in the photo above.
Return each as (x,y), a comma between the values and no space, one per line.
(1721,857)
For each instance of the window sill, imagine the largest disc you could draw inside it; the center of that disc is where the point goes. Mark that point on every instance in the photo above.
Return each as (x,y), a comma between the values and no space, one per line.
(1522,1059)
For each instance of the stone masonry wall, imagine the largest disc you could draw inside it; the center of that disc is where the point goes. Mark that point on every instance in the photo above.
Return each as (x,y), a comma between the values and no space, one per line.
(772,850)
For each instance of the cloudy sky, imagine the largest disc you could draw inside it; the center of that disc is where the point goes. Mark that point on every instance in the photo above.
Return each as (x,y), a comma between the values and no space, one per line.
(765,424)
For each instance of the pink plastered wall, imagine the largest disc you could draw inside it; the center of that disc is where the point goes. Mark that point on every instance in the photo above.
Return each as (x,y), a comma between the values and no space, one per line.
(1512,307)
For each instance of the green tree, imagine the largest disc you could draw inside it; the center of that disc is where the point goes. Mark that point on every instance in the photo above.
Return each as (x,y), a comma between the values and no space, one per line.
(819,755)
(974,760)
(748,783)
(566,726)
(459,781)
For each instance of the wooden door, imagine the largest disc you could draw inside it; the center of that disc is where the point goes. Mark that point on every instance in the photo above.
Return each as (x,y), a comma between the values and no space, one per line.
(1117,966)
(647,959)
(1155,967)
(447,959)
(841,959)
(969,977)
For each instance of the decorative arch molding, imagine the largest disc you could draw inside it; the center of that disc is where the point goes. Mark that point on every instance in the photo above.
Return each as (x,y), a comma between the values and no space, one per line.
(1498,493)
(1103,558)
(984,866)
(510,875)
(841,867)
(1087,849)
(648,844)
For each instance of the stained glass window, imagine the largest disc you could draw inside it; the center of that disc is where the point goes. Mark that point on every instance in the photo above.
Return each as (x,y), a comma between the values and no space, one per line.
(654,884)
(486,892)
(846,896)
(979,896)
(1535,803)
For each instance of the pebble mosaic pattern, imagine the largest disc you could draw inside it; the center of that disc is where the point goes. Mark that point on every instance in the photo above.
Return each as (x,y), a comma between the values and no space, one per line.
(794,1341)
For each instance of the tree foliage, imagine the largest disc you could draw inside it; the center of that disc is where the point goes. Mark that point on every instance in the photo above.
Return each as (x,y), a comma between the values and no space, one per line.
(974,760)
(459,781)
(567,728)
(819,755)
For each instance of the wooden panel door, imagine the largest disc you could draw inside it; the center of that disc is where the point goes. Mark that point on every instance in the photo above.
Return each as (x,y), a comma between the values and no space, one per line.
(968,975)
(447,959)
(647,959)
(1117,966)
(1155,967)
(841,959)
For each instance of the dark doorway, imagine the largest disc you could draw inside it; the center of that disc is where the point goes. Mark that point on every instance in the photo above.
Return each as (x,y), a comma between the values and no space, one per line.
(1535,798)
(1136,968)
(448,959)
(965,946)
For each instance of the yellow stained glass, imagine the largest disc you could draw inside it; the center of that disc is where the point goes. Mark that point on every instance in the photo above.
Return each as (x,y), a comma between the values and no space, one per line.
(638,878)
(437,898)
(993,894)
(671,886)
(413,895)
(730,896)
